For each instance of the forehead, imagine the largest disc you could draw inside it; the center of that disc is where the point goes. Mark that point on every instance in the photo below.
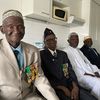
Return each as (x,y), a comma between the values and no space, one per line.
(89,39)
(73,36)
(50,36)
(13,20)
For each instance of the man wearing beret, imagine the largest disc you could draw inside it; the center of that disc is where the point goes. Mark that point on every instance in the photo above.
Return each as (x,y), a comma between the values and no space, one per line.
(20,69)
(56,67)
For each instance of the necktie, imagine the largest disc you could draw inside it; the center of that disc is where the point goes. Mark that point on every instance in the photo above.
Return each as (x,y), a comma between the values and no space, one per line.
(55,54)
(16,52)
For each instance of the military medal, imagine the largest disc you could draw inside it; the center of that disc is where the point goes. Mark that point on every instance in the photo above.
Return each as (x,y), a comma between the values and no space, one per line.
(31,73)
(65,70)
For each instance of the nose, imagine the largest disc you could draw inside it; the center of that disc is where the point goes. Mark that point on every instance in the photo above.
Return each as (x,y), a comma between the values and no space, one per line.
(16,29)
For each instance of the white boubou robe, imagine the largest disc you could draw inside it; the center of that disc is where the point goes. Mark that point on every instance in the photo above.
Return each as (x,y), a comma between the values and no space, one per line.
(82,65)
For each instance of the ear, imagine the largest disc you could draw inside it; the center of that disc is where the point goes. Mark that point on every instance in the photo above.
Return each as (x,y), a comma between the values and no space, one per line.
(1,29)
(84,42)
(68,41)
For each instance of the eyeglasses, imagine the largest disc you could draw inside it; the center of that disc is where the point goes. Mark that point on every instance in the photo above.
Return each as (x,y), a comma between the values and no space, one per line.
(51,39)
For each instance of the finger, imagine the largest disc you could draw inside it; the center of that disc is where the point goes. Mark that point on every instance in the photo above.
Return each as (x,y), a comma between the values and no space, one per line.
(74,96)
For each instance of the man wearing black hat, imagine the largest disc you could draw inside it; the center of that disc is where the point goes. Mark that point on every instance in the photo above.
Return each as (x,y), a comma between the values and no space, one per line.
(55,65)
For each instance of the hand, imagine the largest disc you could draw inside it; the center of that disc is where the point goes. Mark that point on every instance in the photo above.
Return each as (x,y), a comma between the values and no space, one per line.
(74,93)
(89,74)
(65,90)
(97,74)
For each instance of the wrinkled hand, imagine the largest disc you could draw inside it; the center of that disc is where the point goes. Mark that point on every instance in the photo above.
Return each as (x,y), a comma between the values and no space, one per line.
(97,74)
(65,90)
(89,74)
(74,93)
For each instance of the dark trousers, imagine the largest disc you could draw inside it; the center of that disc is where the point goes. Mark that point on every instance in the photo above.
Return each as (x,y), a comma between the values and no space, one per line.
(61,95)
(83,95)
(86,95)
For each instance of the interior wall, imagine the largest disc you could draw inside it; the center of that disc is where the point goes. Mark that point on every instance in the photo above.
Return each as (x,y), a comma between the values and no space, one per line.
(95,23)
(34,29)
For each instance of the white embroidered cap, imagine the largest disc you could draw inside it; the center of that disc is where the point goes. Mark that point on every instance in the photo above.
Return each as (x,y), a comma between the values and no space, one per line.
(71,34)
(87,37)
(9,13)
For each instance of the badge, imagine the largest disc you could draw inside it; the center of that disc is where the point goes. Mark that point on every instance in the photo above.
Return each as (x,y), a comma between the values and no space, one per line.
(65,70)
(31,73)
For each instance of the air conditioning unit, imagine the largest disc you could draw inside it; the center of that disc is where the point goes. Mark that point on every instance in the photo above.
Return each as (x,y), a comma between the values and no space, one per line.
(74,21)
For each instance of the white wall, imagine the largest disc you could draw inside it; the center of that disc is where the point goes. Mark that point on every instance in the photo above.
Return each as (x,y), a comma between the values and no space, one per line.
(95,23)
(35,29)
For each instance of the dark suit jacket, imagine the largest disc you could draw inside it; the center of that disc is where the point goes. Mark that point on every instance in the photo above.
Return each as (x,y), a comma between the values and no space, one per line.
(92,55)
(52,67)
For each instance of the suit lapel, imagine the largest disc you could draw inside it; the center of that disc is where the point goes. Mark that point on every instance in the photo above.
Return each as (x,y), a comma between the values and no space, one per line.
(25,52)
(27,55)
(49,55)
(9,54)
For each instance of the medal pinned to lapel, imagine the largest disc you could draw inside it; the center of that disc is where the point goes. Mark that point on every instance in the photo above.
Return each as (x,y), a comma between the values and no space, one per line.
(31,73)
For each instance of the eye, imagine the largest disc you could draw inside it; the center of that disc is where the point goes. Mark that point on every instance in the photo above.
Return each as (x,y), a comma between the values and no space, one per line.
(21,27)
(51,39)
(10,27)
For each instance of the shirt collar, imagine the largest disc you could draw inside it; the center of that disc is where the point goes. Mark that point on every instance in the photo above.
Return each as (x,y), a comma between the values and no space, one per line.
(19,48)
(52,52)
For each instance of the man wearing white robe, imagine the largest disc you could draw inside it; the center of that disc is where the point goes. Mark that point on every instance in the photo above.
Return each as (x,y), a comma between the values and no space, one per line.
(88,75)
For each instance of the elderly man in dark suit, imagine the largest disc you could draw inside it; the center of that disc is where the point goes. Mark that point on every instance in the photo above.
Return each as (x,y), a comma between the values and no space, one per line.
(91,53)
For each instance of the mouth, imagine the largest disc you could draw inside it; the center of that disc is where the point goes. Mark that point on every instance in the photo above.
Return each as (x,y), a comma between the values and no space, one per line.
(16,38)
